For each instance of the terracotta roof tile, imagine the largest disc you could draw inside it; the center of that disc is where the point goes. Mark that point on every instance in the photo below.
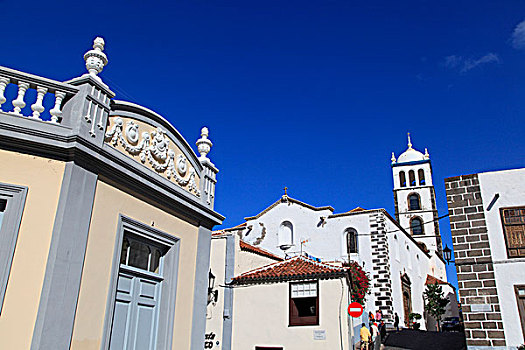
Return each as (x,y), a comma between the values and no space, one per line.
(434,280)
(296,268)
(250,248)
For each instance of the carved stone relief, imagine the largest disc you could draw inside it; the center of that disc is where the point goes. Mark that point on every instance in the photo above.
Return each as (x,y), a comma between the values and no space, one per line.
(152,148)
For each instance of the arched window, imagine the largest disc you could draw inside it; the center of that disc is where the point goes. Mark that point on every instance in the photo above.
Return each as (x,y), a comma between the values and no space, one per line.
(416,226)
(396,248)
(412,177)
(414,202)
(285,235)
(351,241)
(402,179)
(421,175)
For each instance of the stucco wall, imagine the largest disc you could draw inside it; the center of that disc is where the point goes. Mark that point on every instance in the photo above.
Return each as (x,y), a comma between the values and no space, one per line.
(407,258)
(214,311)
(510,185)
(96,275)
(43,177)
(328,242)
(261,318)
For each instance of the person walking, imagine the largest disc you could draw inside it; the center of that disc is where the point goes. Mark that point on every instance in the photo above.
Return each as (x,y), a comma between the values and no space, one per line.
(370,318)
(375,337)
(382,331)
(378,316)
(365,337)
(396,322)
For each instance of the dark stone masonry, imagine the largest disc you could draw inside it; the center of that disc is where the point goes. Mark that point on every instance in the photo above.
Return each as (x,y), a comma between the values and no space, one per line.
(477,285)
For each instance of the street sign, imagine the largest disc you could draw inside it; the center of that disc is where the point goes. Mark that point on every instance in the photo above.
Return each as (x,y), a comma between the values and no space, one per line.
(355,309)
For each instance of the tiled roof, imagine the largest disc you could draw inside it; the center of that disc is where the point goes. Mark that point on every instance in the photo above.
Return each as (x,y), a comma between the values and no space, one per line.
(250,248)
(356,209)
(286,199)
(434,280)
(297,268)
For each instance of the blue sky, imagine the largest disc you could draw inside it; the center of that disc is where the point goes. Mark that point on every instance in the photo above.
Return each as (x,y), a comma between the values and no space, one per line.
(313,95)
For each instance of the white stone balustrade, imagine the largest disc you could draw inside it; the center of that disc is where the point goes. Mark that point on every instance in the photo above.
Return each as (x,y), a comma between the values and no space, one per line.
(210,171)
(24,82)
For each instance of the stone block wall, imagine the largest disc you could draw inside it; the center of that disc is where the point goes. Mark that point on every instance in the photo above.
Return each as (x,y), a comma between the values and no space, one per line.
(476,281)
(381,281)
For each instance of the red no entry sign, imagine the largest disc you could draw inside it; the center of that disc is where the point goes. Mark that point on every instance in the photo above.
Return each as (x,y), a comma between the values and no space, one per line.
(355,309)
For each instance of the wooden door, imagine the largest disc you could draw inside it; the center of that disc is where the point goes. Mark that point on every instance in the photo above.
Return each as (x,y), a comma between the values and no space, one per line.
(407,297)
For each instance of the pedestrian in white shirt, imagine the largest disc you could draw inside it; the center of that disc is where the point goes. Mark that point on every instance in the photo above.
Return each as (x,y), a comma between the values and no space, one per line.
(376,343)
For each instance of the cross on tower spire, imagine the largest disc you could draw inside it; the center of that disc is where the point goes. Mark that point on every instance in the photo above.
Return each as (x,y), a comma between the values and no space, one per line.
(285,191)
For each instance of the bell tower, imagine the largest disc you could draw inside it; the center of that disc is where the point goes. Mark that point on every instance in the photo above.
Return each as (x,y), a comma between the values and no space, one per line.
(415,198)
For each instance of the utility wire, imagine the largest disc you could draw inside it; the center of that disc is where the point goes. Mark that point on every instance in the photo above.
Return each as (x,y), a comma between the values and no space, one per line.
(406,229)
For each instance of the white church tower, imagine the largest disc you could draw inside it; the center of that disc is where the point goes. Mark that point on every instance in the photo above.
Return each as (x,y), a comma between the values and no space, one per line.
(414,197)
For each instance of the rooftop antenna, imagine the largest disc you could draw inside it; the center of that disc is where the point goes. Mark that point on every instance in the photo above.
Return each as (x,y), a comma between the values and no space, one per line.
(302,243)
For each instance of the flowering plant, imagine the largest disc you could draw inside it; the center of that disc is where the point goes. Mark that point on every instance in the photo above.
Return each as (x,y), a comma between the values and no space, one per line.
(360,283)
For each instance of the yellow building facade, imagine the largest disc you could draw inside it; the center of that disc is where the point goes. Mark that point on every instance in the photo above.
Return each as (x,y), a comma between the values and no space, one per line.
(105,219)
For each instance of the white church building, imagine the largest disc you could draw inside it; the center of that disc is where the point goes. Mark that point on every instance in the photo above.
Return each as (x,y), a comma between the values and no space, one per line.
(399,254)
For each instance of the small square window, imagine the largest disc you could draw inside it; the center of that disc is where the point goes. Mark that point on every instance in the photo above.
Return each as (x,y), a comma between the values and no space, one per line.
(304,303)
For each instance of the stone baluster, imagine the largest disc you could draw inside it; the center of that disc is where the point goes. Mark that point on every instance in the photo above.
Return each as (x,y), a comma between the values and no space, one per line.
(3,83)
(209,170)
(19,102)
(37,107)
(56,112)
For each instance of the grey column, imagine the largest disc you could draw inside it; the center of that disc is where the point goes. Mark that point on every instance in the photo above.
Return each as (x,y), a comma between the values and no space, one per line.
(58,301)
(228,294)
(200,295)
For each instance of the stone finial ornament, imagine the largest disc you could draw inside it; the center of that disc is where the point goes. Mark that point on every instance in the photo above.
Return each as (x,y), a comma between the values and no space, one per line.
(427,156)
(409,141)
(96,59)
(204,144)
(393,159)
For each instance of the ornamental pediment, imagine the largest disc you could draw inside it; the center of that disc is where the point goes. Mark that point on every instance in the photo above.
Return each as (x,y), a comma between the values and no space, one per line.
(152,147)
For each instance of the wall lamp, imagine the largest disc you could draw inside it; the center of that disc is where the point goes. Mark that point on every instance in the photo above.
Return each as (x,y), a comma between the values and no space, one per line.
(213,295)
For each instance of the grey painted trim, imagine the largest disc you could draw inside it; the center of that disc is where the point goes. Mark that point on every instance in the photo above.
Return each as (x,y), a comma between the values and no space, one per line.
(58,300)
(411,163)
(16,198)
(60,142)
(229,271)
(200,295)
(169,286)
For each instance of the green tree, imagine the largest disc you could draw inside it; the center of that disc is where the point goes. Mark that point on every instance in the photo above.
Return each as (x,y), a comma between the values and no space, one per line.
(435,302)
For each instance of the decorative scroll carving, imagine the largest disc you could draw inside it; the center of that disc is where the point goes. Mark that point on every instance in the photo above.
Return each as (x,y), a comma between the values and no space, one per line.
(153,147)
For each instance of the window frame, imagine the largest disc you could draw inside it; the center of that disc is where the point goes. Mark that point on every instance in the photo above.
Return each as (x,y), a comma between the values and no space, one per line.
(170,269)
(402,179)
(418,201)
(421,177)
(520,306)
(422,226)
(412,178)
(504,226)
(348,233)
(295,320)
(15,197)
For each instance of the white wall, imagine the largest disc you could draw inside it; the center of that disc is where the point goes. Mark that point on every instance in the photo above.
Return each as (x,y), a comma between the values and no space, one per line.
(261,318)
(510,185)
(328,242)
(406,257)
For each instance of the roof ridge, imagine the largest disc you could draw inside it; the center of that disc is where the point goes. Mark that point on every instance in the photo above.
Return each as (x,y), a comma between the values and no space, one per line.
(285,199)
(257,250)
(297,268)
